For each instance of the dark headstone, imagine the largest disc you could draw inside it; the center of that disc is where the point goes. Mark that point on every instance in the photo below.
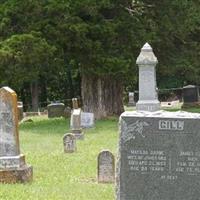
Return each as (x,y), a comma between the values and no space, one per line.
(55,110)
(159,156)
(190,94)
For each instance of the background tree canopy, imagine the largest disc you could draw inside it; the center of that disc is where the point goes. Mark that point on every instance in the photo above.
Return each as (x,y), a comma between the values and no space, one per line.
(51,50)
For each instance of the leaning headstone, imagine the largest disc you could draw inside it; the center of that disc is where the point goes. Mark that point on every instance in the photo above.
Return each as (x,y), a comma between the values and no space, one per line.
(159,156)
(55,110)
(131,101)
(106,167)
(69,141)
(13,168)
(148,97)
(190,96)
(20,110)
(75,122)
(87,120)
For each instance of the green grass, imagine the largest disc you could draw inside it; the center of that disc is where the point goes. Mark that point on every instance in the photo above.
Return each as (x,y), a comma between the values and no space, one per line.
(59,176)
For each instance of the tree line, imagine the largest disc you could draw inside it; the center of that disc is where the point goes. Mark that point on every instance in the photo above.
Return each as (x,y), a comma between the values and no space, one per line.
(53,49)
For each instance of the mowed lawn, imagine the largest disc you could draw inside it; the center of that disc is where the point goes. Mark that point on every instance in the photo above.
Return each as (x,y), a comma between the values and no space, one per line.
(59,176)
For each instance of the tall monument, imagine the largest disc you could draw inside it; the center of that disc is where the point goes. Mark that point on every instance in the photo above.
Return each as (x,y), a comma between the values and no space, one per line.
(148,97)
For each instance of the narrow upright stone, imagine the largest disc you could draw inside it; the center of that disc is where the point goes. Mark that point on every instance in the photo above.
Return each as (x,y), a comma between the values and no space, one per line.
(131,101)
(69,141)
(12,164)
(75,122)
(148,97)
(106,167)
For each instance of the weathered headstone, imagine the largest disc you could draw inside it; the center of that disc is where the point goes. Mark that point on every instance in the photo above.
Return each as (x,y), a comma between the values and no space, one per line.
(12,164)
(159,156)
(75,121)
(190,96)
(20,110)
(131,101)
(87,120)
(106,167)
(148,97)
(55,110)
(69,141)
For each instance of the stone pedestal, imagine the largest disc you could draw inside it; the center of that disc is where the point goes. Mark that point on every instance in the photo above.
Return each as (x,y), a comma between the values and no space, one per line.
(148,97)
(13,168)
(76,124)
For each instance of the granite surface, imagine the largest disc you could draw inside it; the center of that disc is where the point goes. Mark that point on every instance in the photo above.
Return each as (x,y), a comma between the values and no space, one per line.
(159,156)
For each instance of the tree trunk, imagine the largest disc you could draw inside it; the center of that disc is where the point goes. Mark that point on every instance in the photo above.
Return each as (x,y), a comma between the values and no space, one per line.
(34,96)
(102,95)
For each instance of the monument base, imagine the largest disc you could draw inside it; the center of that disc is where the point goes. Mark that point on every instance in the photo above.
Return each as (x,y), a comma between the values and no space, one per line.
(150,106)
(131,104)
(18,175)
(79,134)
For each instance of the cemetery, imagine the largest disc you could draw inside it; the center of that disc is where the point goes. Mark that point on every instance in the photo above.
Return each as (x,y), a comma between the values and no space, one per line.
(99,100)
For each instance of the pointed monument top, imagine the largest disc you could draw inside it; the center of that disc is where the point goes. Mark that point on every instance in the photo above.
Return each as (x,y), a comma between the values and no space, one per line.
(146,56)
(146,47)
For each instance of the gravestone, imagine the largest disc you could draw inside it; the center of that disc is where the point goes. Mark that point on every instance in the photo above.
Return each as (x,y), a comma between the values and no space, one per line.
(75,122)
(131,101)
(148,97)
(106,167)
(55,110)
(159,156)
(20,110)
(13,168)
(190,96)
(69,141)
(87,120)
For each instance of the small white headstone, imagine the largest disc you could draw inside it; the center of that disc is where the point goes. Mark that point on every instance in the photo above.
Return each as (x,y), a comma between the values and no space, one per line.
(87,120)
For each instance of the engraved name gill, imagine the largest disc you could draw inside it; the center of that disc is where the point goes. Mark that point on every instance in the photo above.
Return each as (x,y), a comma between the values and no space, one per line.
(171,125)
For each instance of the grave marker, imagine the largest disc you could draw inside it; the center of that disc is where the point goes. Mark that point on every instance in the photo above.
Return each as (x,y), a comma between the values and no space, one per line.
(159,156)
(69,141)
(87,120)
(12,164)
(148,97)
(75,122)
(106,167)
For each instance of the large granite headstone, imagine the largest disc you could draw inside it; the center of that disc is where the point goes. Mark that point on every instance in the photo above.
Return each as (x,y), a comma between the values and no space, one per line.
(69,141)
(75,122)
(159,156)
(106,167)
(56,110)
(148,97)
(12,163)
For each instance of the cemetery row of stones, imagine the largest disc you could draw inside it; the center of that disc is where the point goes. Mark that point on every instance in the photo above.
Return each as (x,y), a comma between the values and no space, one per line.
(13,167)
(158,151)
(189,95)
